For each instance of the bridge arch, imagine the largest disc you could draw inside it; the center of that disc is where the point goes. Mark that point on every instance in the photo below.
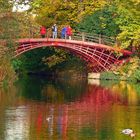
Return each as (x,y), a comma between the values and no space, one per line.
(100,56)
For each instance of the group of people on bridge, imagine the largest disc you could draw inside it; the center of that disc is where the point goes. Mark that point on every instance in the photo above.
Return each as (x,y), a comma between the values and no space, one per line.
(66,32)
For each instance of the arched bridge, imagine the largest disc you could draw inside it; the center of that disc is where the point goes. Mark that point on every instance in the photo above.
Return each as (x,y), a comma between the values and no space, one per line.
(95,50)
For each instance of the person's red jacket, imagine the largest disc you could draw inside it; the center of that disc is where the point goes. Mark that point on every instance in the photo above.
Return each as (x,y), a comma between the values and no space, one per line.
(43,30)
(69,31)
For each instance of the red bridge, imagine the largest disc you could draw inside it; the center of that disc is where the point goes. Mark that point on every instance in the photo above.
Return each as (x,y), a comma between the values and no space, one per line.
(96,50)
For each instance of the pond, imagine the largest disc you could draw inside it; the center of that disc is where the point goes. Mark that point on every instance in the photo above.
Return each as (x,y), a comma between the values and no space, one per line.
(37,108)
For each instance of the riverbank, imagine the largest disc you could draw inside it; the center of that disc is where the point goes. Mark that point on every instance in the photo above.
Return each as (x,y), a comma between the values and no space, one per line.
(110,76)
(127,72)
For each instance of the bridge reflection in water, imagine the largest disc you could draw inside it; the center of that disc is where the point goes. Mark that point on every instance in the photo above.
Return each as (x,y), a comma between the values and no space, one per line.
(71,110)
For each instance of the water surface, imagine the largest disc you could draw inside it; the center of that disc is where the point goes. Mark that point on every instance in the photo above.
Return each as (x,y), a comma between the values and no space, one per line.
(42,109)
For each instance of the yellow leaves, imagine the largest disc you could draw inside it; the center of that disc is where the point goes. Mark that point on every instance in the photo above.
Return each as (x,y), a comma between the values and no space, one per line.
(128,70)
(72,11)
(6,70)
(129,22)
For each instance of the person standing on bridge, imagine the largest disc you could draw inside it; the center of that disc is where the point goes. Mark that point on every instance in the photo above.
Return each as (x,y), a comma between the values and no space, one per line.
(63,33)
(43,32)
(54,31)
(69,32)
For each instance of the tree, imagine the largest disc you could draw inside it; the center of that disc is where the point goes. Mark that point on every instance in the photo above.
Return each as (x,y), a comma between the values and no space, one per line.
(63,11)
(129,22)
(101,22)
(117,18)
(7,23)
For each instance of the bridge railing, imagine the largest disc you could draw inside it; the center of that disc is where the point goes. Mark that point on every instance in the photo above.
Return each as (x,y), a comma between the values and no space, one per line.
(87,37)
(78,35)
(97,38)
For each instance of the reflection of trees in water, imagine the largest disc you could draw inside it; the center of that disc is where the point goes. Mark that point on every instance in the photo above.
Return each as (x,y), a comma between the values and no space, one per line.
(97,98)
(29,87)
(64,90)
(98,103)
(101,107)
(127,91)
(94,110)
(7,96)
(100,95)
(38,88)
(99,112)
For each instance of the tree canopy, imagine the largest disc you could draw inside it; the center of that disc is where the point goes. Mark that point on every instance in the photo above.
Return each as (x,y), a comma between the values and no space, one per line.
(63,11)
(117,18)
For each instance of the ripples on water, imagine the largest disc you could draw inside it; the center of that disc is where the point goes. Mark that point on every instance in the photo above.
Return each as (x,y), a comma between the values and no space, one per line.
(69,110)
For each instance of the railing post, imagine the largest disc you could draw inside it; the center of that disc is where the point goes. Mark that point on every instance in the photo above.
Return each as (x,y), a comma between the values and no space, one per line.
(100,38)
(83,36)
(65,36)
(118,43)
(47,33)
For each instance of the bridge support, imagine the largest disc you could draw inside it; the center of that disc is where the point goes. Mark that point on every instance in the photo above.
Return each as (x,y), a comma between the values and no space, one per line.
(83,36)
(94,82)
(93,75)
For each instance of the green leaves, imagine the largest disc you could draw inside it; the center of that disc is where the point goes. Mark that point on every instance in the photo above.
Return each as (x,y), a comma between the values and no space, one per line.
(58,57)
(130,35)
(129,23)
(120,19)
(101,22)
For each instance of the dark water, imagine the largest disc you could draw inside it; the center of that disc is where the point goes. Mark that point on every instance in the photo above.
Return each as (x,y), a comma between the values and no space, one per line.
(70,109)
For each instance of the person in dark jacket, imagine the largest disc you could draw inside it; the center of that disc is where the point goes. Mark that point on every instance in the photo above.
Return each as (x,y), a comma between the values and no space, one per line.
(54,31)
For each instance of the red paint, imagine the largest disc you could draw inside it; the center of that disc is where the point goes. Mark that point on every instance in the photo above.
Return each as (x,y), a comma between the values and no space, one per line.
(99,56)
